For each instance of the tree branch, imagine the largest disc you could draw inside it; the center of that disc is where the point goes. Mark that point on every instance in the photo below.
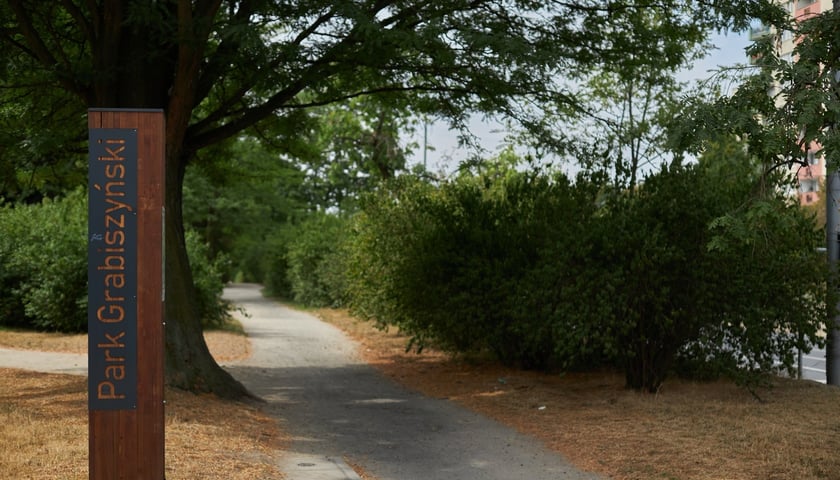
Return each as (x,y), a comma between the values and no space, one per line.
(79,17)
(215,65)
(27,29)
(39,50)
(254,115)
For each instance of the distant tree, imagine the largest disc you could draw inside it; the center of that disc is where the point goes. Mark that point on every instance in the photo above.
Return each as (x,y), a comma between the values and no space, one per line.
(628,105)
(236,199)
(353,146)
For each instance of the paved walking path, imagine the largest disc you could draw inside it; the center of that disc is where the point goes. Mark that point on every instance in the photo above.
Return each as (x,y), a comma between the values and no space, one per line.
(47,362)
(337,408)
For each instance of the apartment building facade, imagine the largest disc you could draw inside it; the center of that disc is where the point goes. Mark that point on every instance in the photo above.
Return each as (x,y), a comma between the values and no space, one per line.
(810,174)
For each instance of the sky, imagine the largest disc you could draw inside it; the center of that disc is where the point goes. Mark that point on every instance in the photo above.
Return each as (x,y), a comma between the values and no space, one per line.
(444,154)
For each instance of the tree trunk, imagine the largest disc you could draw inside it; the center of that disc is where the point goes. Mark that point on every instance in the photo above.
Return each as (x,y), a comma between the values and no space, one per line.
(189,364)
(653,353)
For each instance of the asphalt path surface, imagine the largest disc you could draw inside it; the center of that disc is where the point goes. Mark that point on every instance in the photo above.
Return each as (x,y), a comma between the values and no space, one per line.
(47,362)
(339,410)
(813,365)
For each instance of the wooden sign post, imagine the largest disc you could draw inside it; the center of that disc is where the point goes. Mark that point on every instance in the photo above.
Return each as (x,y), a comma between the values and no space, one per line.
(125,294)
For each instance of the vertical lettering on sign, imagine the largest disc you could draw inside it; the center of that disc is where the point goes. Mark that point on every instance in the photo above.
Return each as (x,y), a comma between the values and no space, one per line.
(112,269)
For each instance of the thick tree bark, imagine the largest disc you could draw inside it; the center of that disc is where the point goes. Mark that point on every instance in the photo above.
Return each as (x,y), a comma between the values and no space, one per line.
(189,364)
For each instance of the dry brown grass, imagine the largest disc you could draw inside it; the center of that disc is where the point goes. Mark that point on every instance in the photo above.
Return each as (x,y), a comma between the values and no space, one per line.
(689,431)
(44,429)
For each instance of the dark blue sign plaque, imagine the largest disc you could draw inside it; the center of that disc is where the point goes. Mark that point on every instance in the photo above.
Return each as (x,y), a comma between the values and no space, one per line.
(112,269)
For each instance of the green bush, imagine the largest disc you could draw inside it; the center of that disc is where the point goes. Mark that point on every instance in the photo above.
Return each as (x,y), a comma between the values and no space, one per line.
(275,265)
(688,268)
(315,272)
(662,276)
(208,274)
(43,264)
(770,297)
(722,276)
(464,265)
(43,267)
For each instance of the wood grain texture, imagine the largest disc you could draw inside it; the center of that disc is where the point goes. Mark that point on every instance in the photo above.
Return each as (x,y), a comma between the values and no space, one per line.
(129,444)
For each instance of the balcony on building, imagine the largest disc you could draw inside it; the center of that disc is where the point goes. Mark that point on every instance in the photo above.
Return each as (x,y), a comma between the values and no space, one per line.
(759,31)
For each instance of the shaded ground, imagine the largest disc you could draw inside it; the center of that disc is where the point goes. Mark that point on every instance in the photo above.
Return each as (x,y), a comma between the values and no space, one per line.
(336,406)
(700,431)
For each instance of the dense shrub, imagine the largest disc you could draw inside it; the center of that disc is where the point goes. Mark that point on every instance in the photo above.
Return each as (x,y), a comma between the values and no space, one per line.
(662,276)
(43,267)
(315,272)
(770,293)
(717,272)
(208,279)
(544,272)
(274,266)
(464,265)
(305,262)
(43,264)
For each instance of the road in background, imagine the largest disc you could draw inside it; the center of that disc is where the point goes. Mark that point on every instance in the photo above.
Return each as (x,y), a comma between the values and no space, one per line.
(813,365)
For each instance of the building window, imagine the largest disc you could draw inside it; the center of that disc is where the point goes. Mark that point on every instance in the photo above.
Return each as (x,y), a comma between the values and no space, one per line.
(808,185)
(812,158)
(787,35)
